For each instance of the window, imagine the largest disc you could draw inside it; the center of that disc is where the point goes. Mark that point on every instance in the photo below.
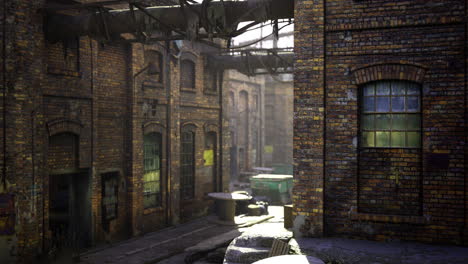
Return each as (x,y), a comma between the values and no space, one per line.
(152,170)
(187,74)
(211,79)
(187,165)
(391,115)
(153,59)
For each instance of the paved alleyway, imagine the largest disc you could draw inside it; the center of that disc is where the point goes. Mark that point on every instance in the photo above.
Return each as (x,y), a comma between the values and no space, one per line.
(172,242)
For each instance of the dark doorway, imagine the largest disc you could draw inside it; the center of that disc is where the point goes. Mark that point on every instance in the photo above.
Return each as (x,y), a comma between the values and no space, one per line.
(69,210)
(69,196)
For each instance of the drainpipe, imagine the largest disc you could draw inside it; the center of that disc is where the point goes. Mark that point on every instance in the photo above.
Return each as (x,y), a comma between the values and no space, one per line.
(4,73)
(167,79)
(221,147)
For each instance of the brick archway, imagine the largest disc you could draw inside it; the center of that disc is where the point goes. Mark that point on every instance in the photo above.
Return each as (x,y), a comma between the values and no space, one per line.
(389,71)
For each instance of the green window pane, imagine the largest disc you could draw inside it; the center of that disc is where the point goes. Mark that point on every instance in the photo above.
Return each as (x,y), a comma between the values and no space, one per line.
(412,104)
(398,88)
(383,104)
(368,139)
(369,104)
(367,122)
(414,122)
(382,139)
(369,90)
(383,88)
(382,122)
(398,104)
(398,139)
(399,122)
(414,139)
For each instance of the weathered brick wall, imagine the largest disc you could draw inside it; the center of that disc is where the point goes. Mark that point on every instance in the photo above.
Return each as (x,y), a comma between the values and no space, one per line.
(427,38)
(309,116)
(23,46)
(95,96)
(111,124)
(246,120)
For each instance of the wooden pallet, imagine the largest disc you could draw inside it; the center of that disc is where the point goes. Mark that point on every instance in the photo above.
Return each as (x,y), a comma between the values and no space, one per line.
(278,248)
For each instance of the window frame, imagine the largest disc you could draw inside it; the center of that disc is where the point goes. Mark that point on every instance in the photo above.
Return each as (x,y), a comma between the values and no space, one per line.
(158,193)
(390,113)
(191,181)
(193,86)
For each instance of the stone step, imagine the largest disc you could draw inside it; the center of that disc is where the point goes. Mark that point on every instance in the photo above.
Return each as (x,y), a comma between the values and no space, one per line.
(245,254)
(262,239)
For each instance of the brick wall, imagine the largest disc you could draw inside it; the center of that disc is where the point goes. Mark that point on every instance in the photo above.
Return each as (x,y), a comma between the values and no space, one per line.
(364,41)
(91,90)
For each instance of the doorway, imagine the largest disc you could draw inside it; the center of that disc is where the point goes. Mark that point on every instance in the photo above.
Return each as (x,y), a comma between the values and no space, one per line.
(70,211)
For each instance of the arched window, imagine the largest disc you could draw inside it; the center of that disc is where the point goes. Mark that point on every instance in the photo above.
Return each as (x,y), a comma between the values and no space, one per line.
(187,74)
(211,80)
(153,59)
(152,151)
(187,164)
(391,115)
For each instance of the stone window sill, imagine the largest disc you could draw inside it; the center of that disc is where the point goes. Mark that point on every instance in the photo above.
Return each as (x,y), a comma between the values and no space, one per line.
(152,85)
(188,90)
(210,92)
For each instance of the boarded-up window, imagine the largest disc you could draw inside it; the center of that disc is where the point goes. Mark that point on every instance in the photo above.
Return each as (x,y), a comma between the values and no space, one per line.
(187,74)
(152,170)
(187,165)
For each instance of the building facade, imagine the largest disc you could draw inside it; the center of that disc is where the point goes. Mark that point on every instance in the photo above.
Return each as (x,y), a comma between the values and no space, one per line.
(380,129)
(102,141)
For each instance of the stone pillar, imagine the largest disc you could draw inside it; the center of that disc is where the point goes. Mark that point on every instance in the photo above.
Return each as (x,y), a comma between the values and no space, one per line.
(309,117)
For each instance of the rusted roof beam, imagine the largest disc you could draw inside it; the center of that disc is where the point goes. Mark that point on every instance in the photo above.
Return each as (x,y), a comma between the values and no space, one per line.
(61,26)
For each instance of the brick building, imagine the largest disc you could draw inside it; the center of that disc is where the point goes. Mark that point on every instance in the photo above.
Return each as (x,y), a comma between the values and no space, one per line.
(245,110)
(380,129)
(102,141)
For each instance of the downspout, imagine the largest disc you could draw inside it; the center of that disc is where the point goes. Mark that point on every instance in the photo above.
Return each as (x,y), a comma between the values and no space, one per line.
(464,232)
(167,77)
(4,73)
(221,147)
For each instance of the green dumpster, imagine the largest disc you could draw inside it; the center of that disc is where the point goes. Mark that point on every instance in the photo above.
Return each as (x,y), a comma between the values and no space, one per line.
(276,187)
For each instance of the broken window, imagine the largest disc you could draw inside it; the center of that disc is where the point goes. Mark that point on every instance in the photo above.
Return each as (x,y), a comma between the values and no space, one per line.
(187,74)
(187,164)
(110,192)
(391,115)
(152,170)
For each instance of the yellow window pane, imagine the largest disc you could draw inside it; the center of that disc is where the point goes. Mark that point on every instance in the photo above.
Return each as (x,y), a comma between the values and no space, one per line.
(382,139)
(367,139)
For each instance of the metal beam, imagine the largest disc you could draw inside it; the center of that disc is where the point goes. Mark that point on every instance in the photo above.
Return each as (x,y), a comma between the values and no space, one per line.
(61,26)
